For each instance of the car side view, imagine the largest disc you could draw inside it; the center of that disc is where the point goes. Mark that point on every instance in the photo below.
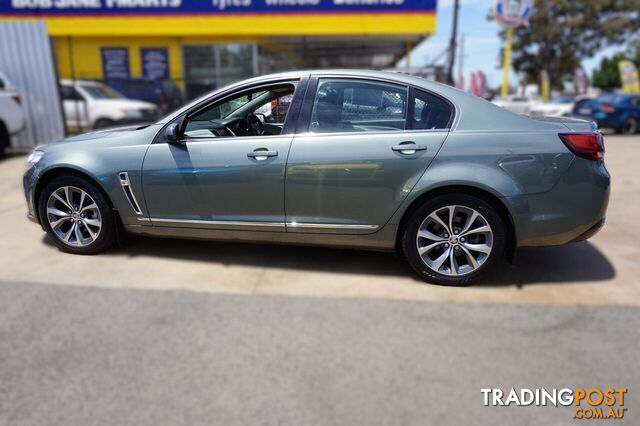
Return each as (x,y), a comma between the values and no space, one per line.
(358,159)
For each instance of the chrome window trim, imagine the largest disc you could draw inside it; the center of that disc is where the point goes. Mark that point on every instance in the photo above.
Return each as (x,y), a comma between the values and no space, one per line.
(381,132)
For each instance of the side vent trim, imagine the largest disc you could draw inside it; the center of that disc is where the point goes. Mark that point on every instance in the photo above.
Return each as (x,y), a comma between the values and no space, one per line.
(128,192)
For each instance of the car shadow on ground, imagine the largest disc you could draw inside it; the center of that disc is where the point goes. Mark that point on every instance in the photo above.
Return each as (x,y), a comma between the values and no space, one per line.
(571,263)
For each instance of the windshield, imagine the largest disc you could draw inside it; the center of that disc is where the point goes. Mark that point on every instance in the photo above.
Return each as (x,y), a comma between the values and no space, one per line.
(100,91)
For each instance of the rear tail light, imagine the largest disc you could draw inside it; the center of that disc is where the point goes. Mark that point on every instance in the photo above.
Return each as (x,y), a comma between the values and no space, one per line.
(585,145)
(608,108)
(17,99)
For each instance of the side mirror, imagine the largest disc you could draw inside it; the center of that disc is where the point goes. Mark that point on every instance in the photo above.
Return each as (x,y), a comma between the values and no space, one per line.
(171,133)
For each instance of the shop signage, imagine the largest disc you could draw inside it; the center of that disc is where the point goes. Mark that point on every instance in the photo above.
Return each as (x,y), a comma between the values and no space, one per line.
(115,62)
(47,8)
(155,62)
(512,13)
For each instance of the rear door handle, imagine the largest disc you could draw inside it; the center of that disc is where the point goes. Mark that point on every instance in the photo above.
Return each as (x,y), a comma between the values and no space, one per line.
(408,148)
(261,154)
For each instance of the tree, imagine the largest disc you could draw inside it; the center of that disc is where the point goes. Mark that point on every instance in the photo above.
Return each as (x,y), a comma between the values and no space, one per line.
(607,76)
(561,33)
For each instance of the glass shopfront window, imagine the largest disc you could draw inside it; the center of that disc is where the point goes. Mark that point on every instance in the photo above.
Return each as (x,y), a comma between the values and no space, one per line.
(210,66)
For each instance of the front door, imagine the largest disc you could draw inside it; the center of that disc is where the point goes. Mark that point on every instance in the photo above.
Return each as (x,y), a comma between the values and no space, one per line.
(228,170)
(361,155)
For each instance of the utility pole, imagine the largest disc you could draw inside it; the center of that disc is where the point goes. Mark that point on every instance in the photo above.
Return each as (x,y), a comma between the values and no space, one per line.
(452,43)
(461,61)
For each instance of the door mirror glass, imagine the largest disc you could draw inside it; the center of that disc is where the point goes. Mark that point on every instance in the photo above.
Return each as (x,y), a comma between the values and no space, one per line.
(171,133)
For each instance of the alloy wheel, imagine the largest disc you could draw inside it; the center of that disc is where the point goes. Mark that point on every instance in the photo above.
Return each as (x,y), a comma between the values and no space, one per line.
(74,216)
(454,240)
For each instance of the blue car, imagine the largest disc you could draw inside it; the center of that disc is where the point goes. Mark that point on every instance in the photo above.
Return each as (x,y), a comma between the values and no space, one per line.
(620,112)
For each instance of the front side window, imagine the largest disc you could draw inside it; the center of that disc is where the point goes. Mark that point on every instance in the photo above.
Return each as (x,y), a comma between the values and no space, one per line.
(69,93)
(430,112)
(345,105)
(255,113)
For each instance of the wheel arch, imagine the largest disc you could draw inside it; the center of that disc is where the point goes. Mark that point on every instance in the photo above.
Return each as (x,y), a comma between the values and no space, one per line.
(484,194)
(55,172)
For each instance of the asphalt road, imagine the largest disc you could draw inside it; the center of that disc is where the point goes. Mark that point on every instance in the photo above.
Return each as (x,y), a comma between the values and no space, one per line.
(84,356)
(169,332)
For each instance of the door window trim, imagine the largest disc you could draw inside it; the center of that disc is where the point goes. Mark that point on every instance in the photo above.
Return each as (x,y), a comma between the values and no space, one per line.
(304,117)
(288,128)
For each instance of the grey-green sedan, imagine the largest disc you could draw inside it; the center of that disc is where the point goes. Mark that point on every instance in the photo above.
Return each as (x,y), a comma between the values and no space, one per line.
(362,159)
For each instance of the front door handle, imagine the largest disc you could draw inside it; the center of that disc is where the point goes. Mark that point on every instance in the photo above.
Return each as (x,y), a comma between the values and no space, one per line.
(261,154)
(408,148)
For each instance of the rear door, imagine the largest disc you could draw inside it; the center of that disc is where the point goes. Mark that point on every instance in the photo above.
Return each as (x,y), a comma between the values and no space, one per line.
(360,147)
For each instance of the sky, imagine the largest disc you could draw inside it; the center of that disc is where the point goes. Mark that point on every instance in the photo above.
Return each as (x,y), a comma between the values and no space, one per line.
(481,42)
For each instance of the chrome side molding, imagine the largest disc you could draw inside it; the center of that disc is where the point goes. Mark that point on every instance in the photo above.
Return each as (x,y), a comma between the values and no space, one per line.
(128,192)
(249,224)
(330,226)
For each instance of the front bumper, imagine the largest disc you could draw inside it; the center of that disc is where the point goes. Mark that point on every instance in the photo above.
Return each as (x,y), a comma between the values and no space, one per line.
(29,181)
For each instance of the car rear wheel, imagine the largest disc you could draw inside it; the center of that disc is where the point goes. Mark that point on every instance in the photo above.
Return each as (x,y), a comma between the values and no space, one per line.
(629,127)
(453,239)
(76,216)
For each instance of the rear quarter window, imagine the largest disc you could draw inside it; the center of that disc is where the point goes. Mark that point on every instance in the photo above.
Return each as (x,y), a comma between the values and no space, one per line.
(430,112)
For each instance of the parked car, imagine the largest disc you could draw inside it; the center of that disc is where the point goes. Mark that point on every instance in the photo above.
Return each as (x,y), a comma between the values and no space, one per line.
(559,106)
(516,103)
(620,112)
(452,181)
(93,105)
(11,113)
(165,94)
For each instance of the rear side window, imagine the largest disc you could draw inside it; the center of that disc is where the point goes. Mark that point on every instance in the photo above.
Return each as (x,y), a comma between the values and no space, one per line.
(348,105)
(430,112)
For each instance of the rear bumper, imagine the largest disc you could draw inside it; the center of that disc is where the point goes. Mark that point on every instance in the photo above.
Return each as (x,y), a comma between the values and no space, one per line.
(591,231)
(573,210)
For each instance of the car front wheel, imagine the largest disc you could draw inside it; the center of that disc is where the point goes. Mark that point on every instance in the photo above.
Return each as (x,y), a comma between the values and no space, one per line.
(453,239)
(76,215)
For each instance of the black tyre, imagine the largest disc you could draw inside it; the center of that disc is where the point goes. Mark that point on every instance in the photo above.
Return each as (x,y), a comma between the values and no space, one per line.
(5,140)
(629,127)
(76,215)
(454,239)
(104,123)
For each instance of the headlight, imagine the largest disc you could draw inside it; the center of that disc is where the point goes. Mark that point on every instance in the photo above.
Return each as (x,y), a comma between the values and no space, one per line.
(34,158)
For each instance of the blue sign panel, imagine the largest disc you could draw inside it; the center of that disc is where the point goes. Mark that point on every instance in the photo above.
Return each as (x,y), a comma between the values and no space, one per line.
(176,7)
(155,62)
(115,62)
